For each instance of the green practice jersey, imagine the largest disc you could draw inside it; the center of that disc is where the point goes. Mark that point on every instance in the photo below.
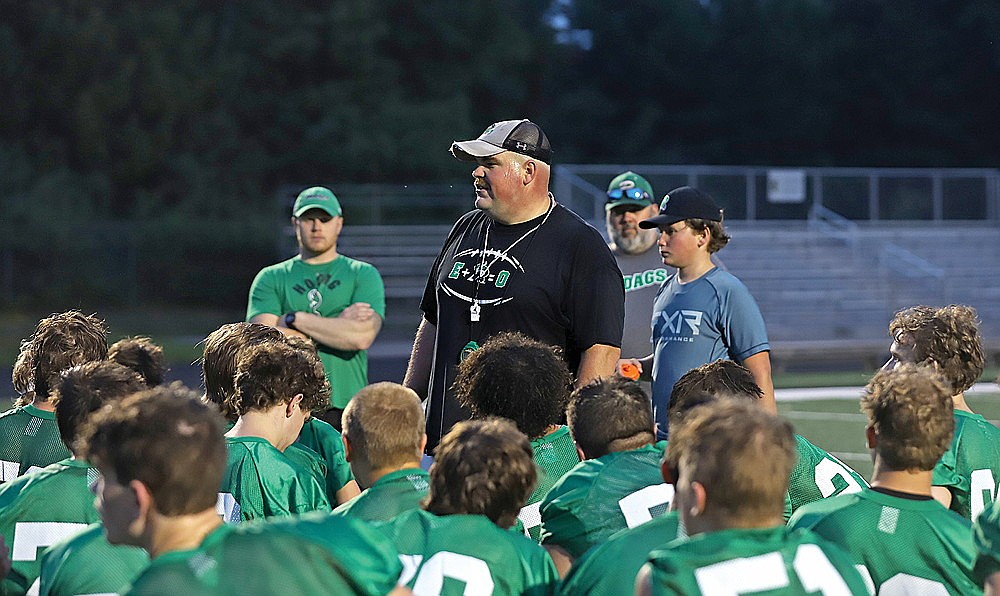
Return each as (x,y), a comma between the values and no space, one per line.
(86,563)
(767,561)
(306,555)
(39,509)
(468,554)
(609,569)
(324,290)
(601,496)
(388,496)
(555,455)
(987,540)
(260,481)
(909,546)
(970,469)
(322,438)
(818,475)
(308,460)
(29,440)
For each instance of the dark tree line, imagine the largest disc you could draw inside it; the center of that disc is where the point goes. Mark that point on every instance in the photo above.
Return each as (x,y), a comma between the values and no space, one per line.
(188,107)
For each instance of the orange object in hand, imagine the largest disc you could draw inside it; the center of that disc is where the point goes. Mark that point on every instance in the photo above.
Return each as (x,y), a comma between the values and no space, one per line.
(629,371)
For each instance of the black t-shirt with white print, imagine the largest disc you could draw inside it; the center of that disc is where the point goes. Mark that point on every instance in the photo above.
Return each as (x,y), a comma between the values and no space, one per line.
(558,284)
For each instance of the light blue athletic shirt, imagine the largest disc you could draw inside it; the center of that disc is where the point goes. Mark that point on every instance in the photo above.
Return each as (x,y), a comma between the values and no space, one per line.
(698,322)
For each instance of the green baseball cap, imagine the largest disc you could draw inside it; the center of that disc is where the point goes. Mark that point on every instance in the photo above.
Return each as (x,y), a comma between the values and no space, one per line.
(316,197)
(629,188)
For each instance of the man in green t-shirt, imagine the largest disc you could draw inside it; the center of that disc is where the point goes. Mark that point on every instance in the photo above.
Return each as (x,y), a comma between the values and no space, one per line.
(731,462)
(47,505)
(816,475)
(909,543)
(335,300)
(146,449)
(527,382)
(618,484)
(29,437)
(948,339)
(459,543)
(318,439)
(384,439)
(277,387)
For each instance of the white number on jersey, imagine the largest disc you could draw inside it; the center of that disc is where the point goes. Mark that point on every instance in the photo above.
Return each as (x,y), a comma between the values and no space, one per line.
(29,537)
(902,584)
(530,516)
(767,572)
(9,469)
(981,485)
(228,509)
(827,470)
(635,507)
(475,573)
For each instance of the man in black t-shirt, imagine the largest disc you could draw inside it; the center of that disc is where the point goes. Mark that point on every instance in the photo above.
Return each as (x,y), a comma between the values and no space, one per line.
(519,262)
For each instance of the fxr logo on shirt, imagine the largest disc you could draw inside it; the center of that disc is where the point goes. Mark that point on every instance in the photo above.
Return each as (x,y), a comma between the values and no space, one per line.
(672,323)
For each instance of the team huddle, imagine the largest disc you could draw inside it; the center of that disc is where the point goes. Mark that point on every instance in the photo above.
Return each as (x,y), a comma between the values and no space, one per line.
(516,457)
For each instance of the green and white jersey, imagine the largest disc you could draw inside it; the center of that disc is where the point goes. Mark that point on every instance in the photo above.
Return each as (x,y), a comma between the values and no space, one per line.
(609,569)
(260,481)
(29,440)
(388,496)
(325,290)
(986,533)
(39,509)
(970,469)
(818,475)
(555,455)
(325,440)
(468,554)
(311,554)
(908,546)
(601,496)
(86,563)
(766,561)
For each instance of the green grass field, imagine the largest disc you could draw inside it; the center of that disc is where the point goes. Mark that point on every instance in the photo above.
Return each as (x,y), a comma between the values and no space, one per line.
(838,426)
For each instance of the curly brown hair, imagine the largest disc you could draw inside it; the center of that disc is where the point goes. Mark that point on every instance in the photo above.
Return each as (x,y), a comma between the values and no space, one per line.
(482,467)
(722,378)
(911,410)
(273,373)
(518,378)
(948,337)
(60,341)
(218,362)
(141,355)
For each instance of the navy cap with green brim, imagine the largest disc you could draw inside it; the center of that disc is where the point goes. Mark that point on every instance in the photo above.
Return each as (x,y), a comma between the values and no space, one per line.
(681,204)
(316,197)
(520,136)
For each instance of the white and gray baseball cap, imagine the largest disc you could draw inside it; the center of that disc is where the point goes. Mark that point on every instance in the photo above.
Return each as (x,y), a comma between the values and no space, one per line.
(520,136)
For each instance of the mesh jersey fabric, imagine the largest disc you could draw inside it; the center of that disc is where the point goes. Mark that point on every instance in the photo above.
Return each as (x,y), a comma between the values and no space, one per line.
(601,496)
(324,439)
(305,555)
(86,563)
(609,569)
(388,496)
(818,475)
(29,438)
(893,535)
(970,469)
(265,483)
(455,554)
(763,562)
(555,455)
(39,509)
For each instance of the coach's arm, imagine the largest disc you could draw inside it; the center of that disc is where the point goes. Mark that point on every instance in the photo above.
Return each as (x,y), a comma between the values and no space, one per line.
(355,328)
(599,360)
(418,370)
